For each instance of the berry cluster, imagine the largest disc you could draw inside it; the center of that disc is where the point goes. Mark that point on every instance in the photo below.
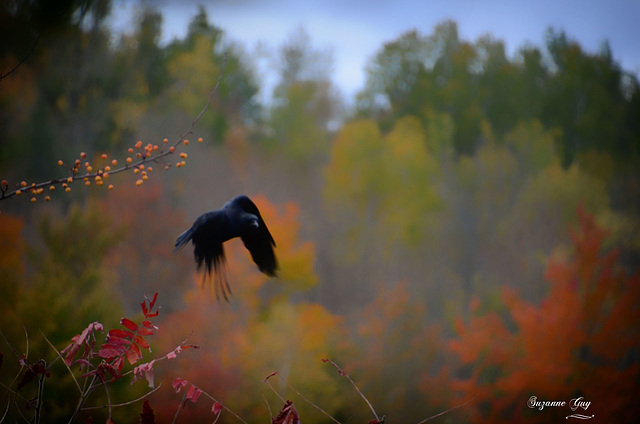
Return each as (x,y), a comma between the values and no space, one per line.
(138,161)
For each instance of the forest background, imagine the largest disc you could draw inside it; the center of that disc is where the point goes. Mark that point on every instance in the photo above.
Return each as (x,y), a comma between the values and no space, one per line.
(467,230)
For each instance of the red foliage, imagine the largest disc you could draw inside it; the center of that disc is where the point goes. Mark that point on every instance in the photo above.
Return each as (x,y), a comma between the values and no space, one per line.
(129,343)
(147,416)
(120,344)
(579,342)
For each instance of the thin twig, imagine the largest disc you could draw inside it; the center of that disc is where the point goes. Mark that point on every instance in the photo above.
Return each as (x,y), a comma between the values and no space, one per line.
(182,401)
(268,406)
(448,410)
(26,355)
(3,76)
(344,374)
(302,396)
(224,406)
(117,405)
(63,361)
(40,391)
(6,411)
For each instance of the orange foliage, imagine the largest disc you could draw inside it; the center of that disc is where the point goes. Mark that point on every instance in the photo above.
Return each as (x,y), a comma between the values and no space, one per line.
(144,258)
(395,347)
(581,341)
(259,331)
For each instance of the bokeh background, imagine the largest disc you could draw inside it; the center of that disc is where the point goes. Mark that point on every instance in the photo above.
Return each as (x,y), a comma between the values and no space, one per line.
(462,224)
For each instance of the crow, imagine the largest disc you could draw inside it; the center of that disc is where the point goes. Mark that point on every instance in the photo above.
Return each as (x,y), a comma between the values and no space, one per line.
(238,217)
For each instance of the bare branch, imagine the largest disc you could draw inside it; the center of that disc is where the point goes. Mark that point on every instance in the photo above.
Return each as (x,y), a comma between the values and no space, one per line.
(344,374)
(448,410)
(3,76)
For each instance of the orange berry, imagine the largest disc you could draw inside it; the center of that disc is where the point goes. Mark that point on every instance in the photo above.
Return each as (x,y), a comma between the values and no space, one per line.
(18,192)
(136,170)
(89,168)
(166,140)
(107,168)
(51,188)
(183,155)
(200,140)
(70,180)
(110,186)
(87,183)
(105,175)
(166,167)
(47,198)
(139,182)
(23,184)
(114,162)
(104,156)
(155,147)
(185,142)
(98,178)
(129,160)
(172,149)
(60,163)
(64,185)
(68,189)
(138,155)
(141,167)
(83,155)
(145,178)
(130,150)
(33,200)
(149,169)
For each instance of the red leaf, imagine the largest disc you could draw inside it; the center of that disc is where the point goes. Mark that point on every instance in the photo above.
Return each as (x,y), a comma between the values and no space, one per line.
(216,408)
(178,384)
(149,325)
(110,350)
(288,415)
(151,315)
(145,331)
(153,302)
(193,394)
(117,332)
(145,311)
(141,342)
(147,416)
(129,324)
(133,354)
(146,371)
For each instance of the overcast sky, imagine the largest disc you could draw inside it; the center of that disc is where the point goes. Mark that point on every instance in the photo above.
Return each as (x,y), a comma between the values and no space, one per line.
(355,29)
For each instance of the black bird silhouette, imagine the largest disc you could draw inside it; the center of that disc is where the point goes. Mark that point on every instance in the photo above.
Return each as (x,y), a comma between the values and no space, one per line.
(239,217)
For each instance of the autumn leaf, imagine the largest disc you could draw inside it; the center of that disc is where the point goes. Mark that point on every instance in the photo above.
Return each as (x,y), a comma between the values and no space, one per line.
(147,416)
(146,371)
(287,415)
(216,408)
(193,394)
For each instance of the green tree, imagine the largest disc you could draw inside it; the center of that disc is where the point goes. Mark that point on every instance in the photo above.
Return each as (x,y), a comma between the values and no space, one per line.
(304,102)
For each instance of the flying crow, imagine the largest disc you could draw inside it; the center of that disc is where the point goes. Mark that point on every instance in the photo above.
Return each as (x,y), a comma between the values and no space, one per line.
(237,218)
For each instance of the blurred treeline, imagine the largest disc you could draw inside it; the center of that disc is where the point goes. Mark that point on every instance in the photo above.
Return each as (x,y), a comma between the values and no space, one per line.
(436,199)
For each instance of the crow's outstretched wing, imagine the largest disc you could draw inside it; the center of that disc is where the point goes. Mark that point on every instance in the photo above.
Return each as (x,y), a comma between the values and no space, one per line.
(258,241)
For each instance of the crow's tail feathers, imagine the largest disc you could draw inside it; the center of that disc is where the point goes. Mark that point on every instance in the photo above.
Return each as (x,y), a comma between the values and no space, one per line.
(215,266)
(183,239)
